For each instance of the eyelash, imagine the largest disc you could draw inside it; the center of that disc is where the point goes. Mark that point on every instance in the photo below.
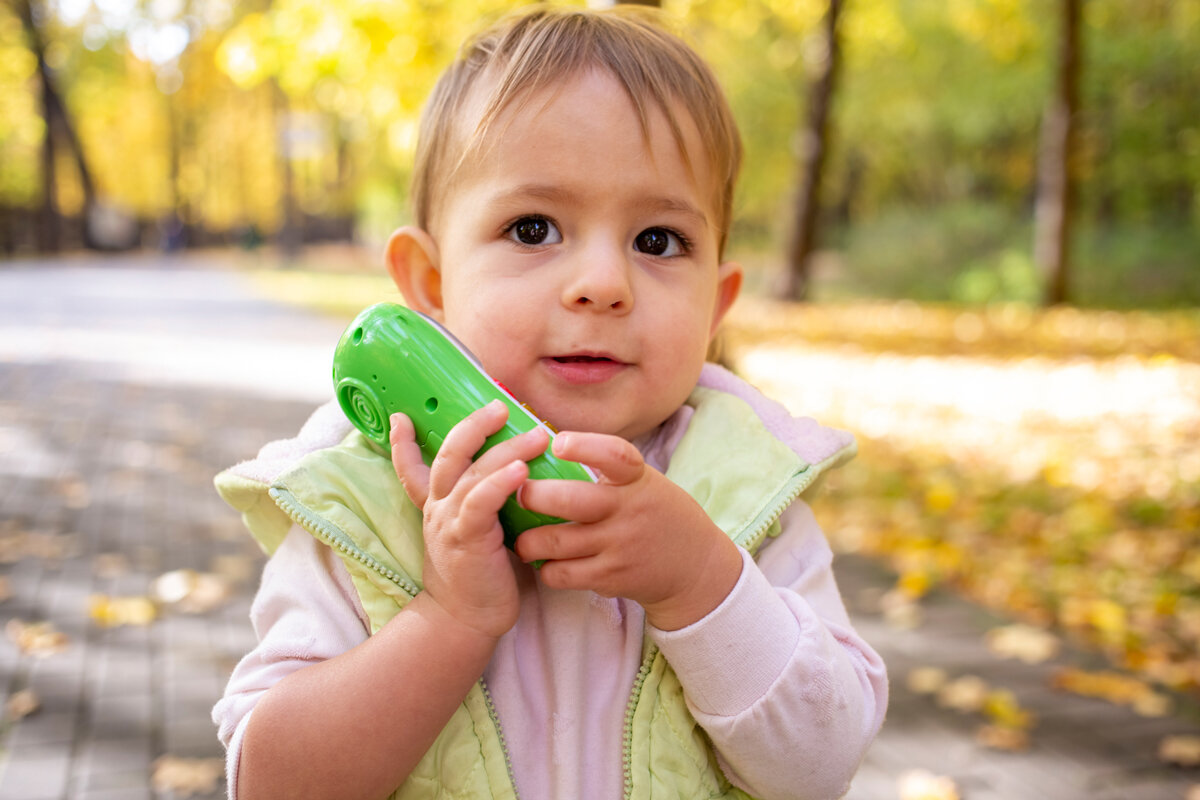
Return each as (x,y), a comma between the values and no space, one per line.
(507,231)
(685,244)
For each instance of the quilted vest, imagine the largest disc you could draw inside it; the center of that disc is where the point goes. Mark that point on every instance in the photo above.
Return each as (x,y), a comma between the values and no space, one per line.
(348,497)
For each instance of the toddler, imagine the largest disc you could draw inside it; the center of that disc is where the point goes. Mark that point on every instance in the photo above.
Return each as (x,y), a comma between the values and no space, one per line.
(684,637)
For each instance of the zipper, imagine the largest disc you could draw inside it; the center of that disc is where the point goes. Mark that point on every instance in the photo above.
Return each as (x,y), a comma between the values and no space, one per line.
(752,535)
(331,536)
(757,530)
(491,708)
(750,538)
(630,708)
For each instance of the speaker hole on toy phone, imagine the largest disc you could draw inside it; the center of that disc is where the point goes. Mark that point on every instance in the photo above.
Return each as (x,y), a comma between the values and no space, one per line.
(431,405)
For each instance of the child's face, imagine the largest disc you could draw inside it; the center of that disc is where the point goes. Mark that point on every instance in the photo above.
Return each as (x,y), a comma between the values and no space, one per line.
(578,260)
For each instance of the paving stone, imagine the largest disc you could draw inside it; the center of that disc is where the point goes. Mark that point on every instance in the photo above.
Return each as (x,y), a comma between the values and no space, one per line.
(103,757)
(34,773)
(122,716)
(123,458)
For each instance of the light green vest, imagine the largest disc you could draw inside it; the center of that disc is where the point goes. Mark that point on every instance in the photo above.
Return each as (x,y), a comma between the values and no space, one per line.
(349,498)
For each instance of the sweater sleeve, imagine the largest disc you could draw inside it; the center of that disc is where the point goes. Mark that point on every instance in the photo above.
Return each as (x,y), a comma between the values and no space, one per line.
(789,694)
(306,611)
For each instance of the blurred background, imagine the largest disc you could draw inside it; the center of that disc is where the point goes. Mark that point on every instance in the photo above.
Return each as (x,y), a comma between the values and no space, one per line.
(971,230)
(192,123)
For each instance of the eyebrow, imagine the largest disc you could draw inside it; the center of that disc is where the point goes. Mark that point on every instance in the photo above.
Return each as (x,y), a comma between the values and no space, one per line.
(558,194)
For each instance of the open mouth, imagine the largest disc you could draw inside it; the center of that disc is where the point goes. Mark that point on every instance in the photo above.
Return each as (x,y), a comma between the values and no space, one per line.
(583,359)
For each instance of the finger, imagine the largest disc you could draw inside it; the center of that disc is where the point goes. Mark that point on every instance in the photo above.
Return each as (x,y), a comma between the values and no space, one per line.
(576,573)
(578,501)
(484,500)
(614,459)
(457,452)
(562,542)
(406,460)
(523,447)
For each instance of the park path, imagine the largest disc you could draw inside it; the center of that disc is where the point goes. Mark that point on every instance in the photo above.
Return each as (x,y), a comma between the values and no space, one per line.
(126,383)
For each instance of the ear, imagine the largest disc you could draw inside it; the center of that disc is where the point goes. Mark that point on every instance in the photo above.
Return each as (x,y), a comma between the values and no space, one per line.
(412,261)
(729,286)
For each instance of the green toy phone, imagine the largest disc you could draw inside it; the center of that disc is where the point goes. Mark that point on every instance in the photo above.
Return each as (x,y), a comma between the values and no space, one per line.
(393,359)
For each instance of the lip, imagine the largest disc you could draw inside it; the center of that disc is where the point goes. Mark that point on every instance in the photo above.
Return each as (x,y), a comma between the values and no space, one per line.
(584,367)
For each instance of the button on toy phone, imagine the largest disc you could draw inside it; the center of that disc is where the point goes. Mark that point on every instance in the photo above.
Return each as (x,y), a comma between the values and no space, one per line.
(393,359)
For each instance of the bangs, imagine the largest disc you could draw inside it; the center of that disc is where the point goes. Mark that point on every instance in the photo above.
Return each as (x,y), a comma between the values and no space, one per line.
(540,51)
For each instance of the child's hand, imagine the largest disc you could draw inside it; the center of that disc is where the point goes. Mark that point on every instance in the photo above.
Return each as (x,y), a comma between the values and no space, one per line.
(467,570)
(636,534)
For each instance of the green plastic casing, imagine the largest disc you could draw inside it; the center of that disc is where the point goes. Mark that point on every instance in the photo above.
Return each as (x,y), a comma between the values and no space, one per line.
(393,359)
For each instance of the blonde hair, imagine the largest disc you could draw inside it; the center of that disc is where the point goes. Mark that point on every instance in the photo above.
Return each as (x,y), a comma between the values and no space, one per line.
(536,49)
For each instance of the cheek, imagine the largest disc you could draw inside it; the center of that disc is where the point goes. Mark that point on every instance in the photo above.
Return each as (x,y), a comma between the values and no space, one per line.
(687,330)
(494,333)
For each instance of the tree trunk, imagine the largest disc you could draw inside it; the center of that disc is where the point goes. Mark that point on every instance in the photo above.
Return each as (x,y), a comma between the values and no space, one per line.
(814,150)
(56,119)
(290,236)
(1056,184)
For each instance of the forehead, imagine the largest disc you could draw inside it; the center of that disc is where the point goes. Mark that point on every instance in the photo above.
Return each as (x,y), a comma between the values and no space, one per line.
(577,125)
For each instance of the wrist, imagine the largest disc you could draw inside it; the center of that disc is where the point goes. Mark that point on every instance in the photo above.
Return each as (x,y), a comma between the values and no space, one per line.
(713,581)
(453,628)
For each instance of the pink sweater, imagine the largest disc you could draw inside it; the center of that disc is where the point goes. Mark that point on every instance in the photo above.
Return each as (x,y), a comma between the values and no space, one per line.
(789,694)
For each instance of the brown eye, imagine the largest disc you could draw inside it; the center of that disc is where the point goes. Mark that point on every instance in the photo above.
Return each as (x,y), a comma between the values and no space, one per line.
(659,242)
(533,231)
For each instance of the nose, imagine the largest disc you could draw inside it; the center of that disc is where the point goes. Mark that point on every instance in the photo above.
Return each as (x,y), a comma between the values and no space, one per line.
(600,280)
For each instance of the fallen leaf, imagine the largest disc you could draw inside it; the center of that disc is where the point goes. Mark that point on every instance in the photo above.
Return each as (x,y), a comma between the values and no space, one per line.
(966,694)
(187,776)
(172,587)
(37,638)
(1000,737)
(1153,704)
(1183,750)
(921,784)
(1002,708)
(1116,688)
(1075,507)
(190,591)
(21,704)
(1026,643)
(926,680)
(210,591)
(113,612)
(940,496)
